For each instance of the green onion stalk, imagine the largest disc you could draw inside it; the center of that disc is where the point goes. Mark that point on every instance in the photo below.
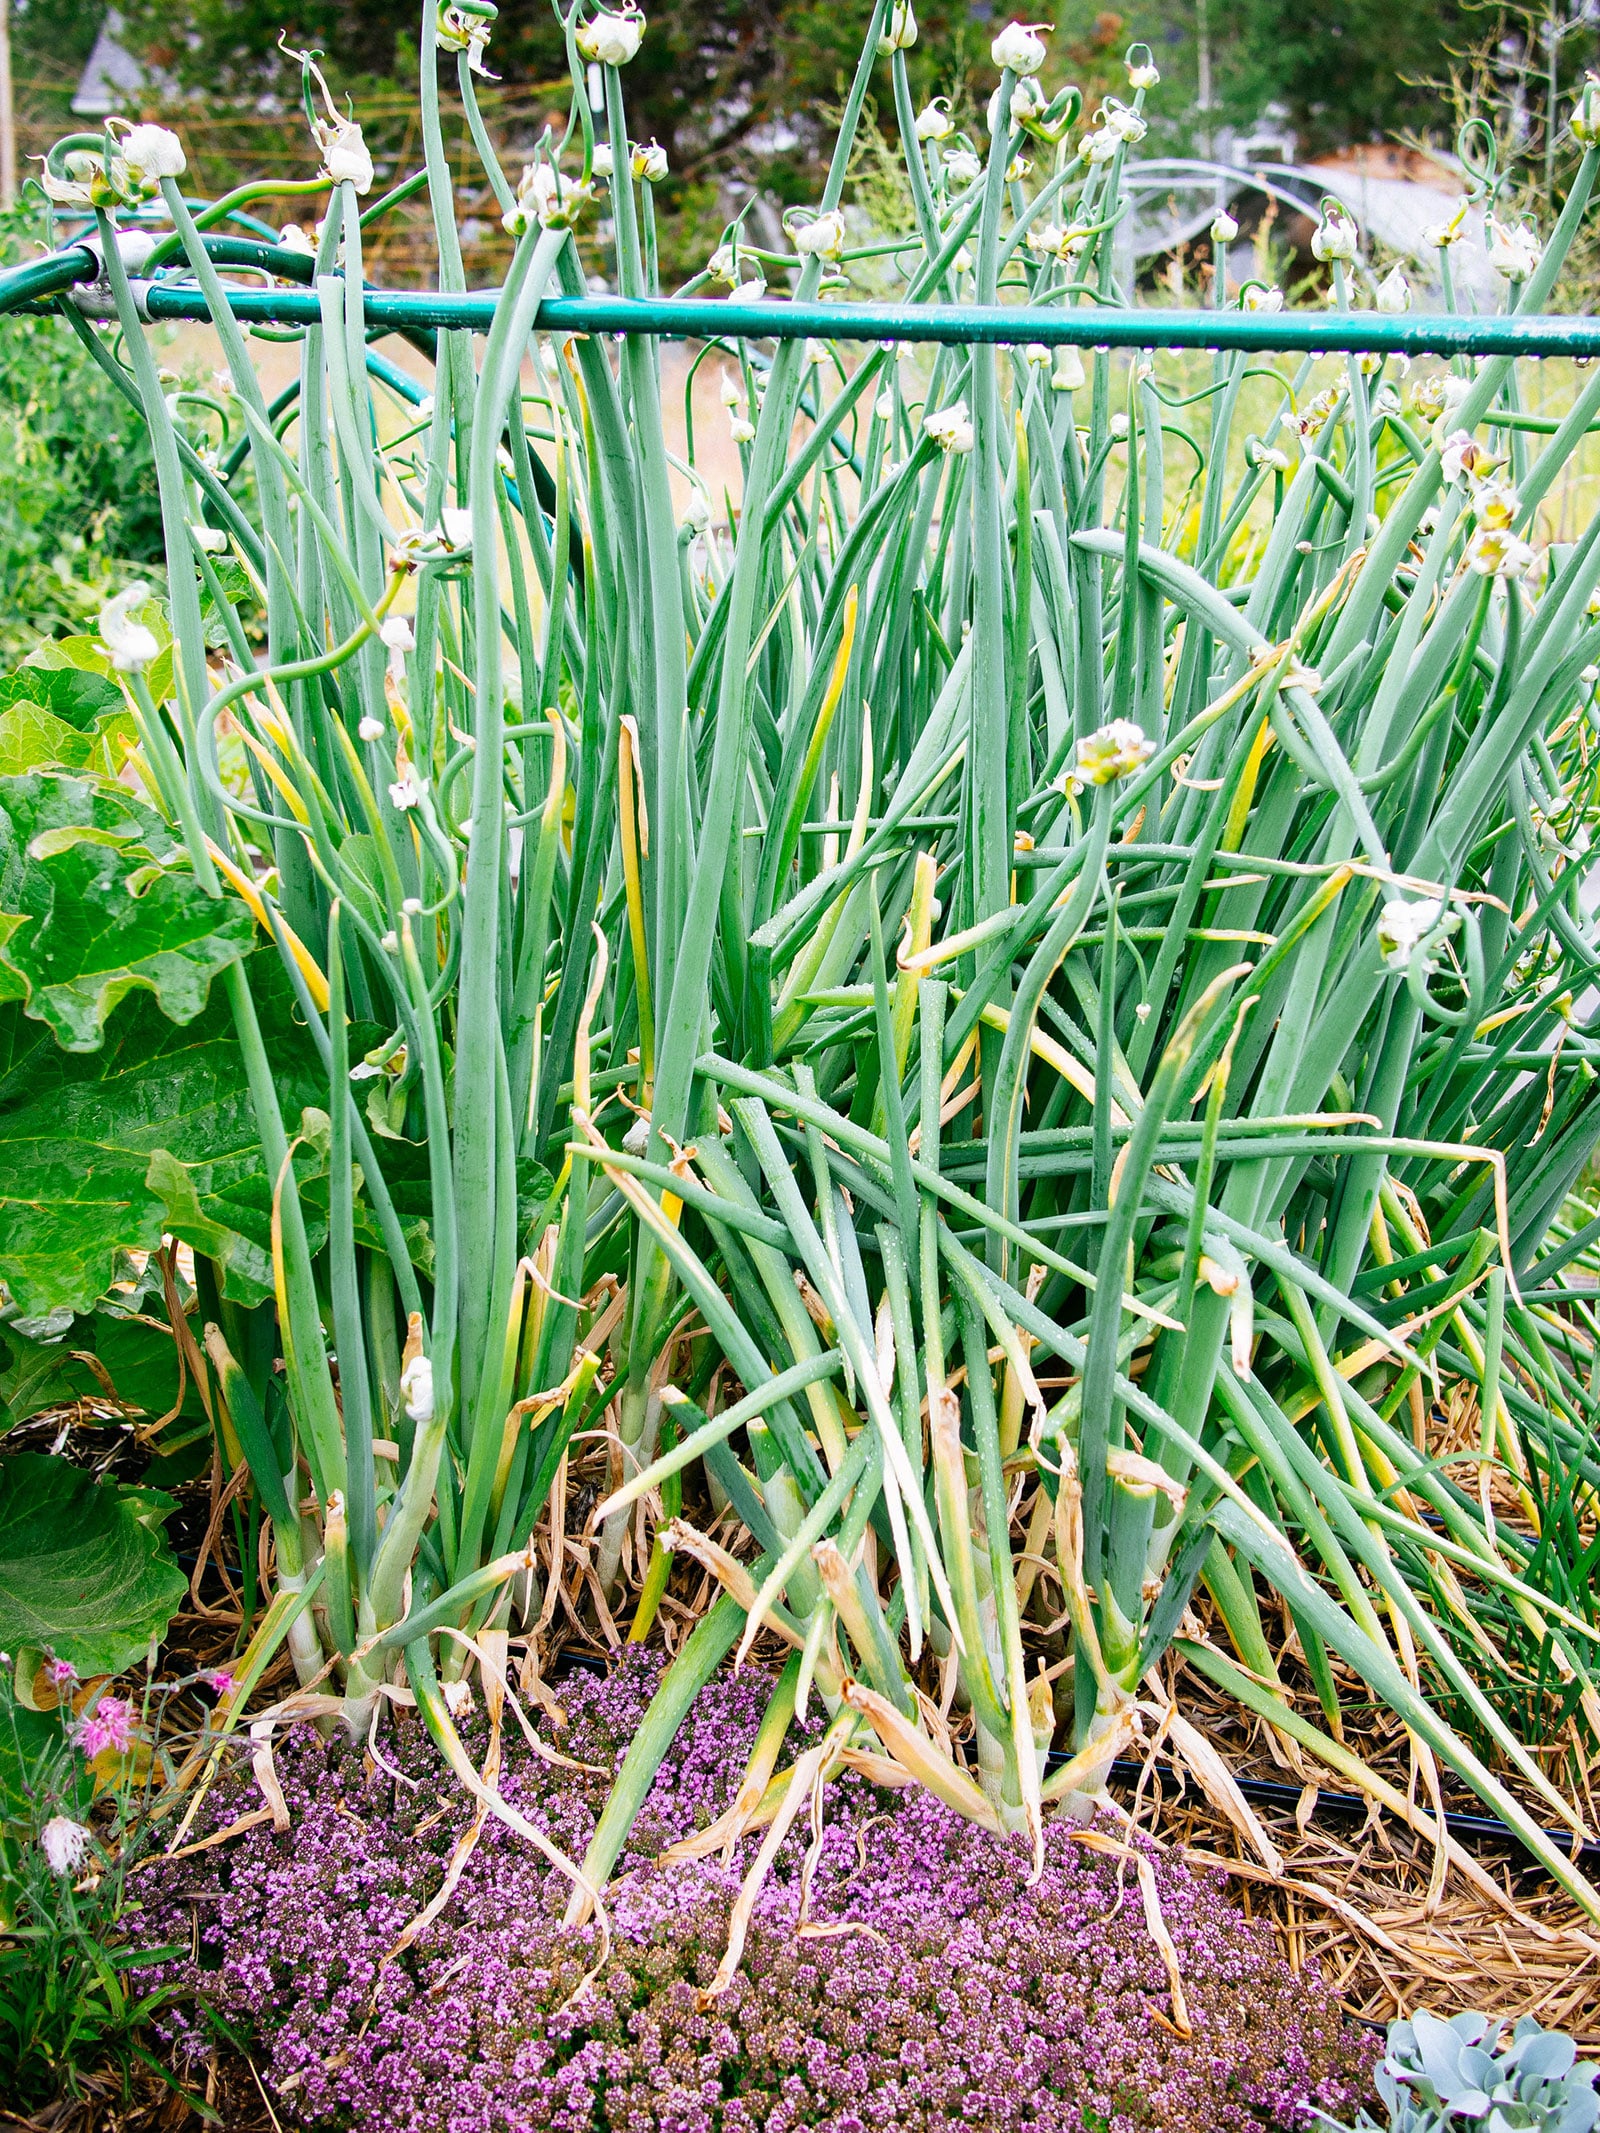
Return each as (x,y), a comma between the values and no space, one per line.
(1012,1024)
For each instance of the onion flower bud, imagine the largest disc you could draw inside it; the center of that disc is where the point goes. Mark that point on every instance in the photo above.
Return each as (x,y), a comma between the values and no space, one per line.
(611,40)
(1019,49)
(950,428)
(1113,751)
(131,645)
(1403,928)
(153,153)
(416,1389)
(900,32)
(1335,237)
(821,236)
(1514,253)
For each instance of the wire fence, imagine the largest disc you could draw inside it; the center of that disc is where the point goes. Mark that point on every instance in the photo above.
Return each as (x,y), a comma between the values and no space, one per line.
(224,139)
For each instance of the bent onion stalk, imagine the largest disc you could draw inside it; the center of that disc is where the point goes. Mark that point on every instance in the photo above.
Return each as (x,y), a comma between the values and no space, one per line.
(1247,830)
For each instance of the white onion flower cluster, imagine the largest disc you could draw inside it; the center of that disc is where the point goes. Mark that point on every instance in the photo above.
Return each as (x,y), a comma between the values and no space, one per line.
(461,29)
(816,233)
(1019,48)
(1028,105)
(153,153)
(900,32)
(611,40)
(1120,127)
(740,428)
(1462,457)
(140,157)
(1049,240)
(1497,552)
(740,272)
(1115,750)
(1408,931)
(84,181)
(130,644)
(951,429)
(1439,236)
(1513,252)
(546,196)
(1335,236)
(346,158)
(416,1389)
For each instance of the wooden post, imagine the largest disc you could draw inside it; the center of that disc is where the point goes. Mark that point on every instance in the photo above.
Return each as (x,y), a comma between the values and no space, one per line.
(8,112)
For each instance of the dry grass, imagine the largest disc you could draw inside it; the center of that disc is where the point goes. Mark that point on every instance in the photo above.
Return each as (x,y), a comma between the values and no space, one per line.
(233,2094)
(1383,1950)
(1355,1899)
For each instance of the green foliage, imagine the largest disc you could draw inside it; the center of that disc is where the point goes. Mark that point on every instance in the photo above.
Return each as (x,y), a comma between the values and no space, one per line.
(78,509)
(70,2005)
(103,1152)
(116,1354)
(73,695)
(85,1571)
(69,2001)
(90,908)
(40,1376)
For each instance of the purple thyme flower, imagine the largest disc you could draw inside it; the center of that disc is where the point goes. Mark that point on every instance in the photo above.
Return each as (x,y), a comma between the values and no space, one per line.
(943,1990)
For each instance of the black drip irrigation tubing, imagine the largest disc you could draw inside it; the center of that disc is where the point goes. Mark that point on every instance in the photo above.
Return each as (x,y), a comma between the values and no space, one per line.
(1351,1807)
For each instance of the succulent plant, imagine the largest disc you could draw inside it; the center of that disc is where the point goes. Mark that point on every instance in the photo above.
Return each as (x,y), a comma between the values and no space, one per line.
(1466,2075)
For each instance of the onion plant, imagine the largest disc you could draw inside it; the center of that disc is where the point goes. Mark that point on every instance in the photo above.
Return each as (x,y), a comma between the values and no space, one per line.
(1021,1007)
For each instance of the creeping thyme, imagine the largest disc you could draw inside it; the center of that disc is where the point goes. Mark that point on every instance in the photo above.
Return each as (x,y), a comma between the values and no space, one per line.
(957,1996)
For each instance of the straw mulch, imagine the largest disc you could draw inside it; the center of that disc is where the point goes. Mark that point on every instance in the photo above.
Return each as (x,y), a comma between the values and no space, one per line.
(1361,1900)
(1378,1944)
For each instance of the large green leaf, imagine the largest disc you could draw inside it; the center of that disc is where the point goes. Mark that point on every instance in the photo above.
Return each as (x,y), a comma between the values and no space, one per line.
(83,1570)
(87,657)
(36,1376)
(141,1362)
(76,695)
(33,738)
(91,906)
(102,1152)
(105,1354)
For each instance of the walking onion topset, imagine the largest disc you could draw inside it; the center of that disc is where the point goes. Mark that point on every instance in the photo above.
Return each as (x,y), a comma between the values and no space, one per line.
(1006,1012)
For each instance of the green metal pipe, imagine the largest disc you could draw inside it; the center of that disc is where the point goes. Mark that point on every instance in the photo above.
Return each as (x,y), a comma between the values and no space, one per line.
(1005,324)
(696,318)
(36,280)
